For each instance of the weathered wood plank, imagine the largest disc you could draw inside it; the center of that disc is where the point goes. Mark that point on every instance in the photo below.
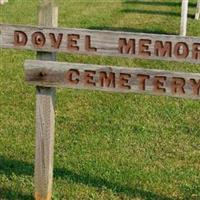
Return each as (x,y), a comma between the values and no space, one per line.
(45,121)
(113,79)
(198,10)
(45,116)
(98,42)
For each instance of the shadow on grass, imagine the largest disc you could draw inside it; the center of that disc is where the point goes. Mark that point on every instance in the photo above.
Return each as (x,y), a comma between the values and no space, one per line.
(157,3)
(136,30)
(9,194)
(154,12)
(101,184)
(18,168)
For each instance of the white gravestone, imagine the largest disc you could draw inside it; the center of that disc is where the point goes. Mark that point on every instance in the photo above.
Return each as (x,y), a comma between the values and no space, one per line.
(3,1)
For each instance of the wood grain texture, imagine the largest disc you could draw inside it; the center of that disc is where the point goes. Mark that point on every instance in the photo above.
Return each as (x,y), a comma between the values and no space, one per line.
(184,16)
(45,116)
(45,121)
(105,43)
(198,10)
(159,82)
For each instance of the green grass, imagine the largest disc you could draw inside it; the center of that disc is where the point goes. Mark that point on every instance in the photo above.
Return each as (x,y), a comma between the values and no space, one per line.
(108,146)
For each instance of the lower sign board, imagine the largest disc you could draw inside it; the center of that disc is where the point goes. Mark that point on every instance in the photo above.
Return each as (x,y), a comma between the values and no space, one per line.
(113,79)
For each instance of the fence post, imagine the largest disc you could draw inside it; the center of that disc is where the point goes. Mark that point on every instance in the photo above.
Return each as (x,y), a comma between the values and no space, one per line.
(45,113)
(184,15)
(198,10)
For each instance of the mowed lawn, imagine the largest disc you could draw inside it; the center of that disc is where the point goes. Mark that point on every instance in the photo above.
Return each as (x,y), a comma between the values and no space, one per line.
(108,146)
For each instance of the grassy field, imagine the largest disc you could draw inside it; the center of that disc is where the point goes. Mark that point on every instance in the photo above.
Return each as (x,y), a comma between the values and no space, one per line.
(108,146)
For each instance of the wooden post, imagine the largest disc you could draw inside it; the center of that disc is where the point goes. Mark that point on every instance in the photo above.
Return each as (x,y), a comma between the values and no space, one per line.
(198,10)
(184,15)
(45,115)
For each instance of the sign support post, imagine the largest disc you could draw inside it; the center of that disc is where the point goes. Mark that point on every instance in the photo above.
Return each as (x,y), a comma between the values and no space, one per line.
(198,10)
(184,15)
(45,114)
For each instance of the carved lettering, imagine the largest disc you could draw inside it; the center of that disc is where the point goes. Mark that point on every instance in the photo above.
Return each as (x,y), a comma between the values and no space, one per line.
(124,81)
(163,49)
(20,38)
(55,42)
(195,86)
(144,47)
(107,80)
(89,78)
(126,47)
(72,42)
(177,85)
(38,39)
(181,50)
(73,76)
(158,83)
(142,81)
(88,46)
(196,51)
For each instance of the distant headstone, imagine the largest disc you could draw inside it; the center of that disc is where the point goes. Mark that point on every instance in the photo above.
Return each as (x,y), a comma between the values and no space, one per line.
(3,1)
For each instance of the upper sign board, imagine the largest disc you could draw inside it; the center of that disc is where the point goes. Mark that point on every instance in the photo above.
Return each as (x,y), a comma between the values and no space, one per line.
(98,42)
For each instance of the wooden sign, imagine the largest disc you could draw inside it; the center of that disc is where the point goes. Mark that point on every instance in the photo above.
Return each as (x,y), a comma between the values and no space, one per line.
(96,42)
(113,79)
(46,74)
